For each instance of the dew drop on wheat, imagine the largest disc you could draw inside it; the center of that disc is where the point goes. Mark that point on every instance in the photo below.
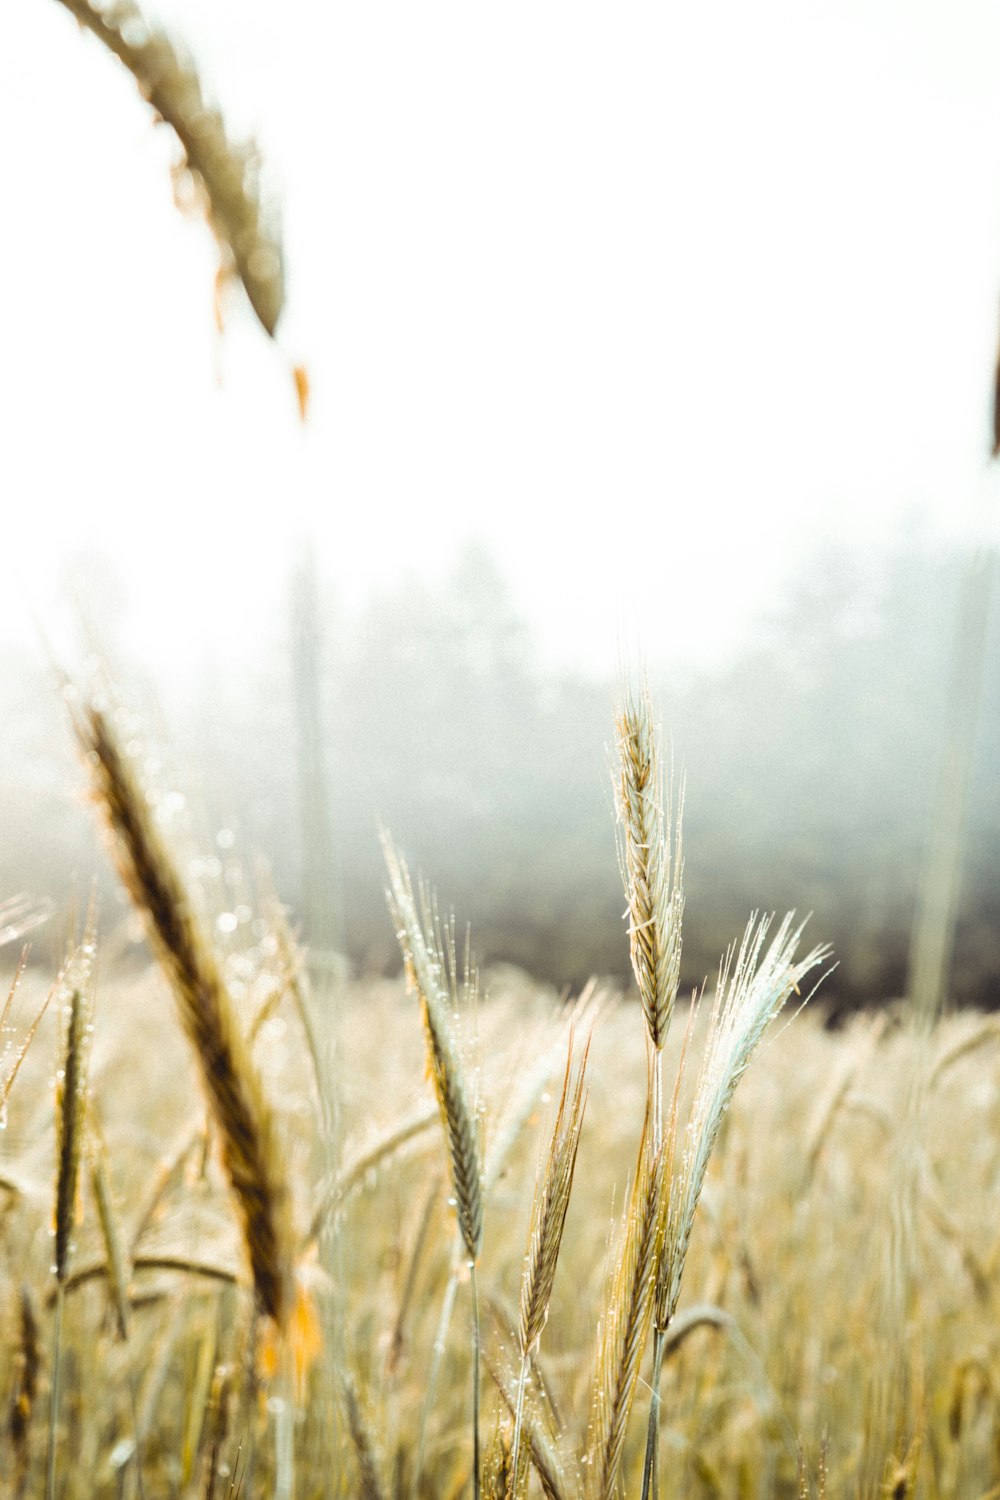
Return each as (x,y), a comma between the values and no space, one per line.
(121,1453)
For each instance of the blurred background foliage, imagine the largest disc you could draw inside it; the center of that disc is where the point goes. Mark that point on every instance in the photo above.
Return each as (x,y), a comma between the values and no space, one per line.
(812,757)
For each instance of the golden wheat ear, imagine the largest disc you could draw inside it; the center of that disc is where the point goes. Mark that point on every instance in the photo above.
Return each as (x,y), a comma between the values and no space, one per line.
(650,857)
(548,1219)
(432,974)
(427,970)
(235,1093)
(225,173)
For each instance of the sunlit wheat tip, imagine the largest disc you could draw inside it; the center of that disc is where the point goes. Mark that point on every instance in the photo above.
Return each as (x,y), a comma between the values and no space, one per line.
(428,967)
(651,861)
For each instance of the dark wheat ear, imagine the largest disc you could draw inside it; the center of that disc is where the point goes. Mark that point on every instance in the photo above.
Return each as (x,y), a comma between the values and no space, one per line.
(239,1106)
(224,171)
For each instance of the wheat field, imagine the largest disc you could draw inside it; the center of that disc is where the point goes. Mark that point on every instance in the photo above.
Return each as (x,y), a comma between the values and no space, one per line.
(270,1232)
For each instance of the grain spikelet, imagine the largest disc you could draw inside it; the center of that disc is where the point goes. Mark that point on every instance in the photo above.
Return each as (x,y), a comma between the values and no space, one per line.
(71,1096)
(548,1217)
(242,1114)
(750,993)
(427,973)
(627,1316)
(651,862)
(551,1201)
(225,171)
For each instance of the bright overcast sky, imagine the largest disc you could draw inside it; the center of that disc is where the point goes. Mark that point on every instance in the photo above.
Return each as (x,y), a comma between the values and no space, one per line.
(649,297)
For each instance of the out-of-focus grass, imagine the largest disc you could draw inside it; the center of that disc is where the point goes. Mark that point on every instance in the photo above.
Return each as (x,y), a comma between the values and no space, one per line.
(792,1243)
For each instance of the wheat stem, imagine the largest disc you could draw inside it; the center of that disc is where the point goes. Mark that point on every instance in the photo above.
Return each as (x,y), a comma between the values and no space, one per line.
(54,1397)
(476,1343)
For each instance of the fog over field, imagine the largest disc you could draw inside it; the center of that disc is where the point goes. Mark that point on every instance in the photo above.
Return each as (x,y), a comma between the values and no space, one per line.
(813,761)
(670,338)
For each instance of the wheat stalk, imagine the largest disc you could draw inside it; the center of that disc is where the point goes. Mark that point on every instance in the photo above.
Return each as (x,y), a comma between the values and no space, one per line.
(235,1093)
(548,1219)
(226,172)
(431,972)
(752,989)
(428,969)
(650,857)
(627,1315)
(543,1449)
(71,1099)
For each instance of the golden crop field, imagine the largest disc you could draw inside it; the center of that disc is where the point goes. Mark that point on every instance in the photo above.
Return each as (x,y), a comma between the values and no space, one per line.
(262,1259)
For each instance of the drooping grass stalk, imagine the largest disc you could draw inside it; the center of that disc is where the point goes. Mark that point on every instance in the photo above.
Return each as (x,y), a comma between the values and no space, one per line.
(752,989)
(71,1097)
(432,974)
(548,1219)
(650,857)
(226,173)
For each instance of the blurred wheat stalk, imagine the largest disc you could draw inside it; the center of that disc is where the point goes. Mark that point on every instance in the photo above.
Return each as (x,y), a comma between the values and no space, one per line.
(242,1113)
(225,173)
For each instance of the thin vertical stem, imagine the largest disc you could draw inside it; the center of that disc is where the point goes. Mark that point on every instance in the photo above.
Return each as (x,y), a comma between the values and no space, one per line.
(284,1427)
(476,1464)
(50,1468)
(651,1467)
(656,1085)
(437,1353)
(522,1382)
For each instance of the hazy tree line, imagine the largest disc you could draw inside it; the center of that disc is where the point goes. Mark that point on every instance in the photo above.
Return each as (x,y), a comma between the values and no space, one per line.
(811,758)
